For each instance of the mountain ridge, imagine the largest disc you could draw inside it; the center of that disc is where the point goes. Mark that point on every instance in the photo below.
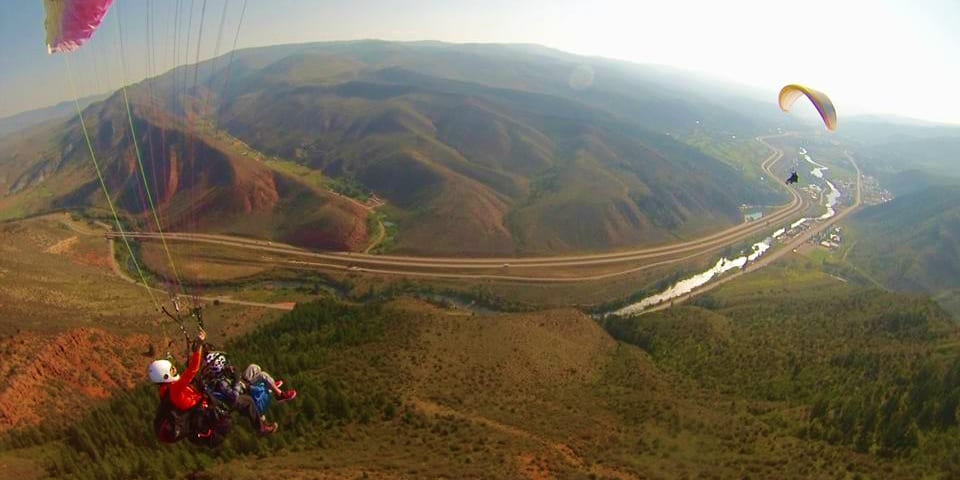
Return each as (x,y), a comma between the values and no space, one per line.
(486,144)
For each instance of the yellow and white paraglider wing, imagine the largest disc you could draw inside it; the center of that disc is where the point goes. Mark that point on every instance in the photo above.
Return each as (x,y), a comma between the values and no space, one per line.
(820,100)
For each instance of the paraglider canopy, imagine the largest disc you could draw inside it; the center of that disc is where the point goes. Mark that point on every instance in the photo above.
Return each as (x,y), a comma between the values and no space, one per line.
(790,94)
(70,23)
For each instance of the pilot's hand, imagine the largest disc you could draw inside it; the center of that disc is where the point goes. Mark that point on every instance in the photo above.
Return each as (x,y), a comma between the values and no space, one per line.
(201,335)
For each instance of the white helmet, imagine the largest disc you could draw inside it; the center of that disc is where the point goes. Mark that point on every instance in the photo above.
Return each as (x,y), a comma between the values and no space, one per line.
(162,371)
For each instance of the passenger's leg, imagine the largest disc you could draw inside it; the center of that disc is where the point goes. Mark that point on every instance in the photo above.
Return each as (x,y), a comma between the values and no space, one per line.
(246,406)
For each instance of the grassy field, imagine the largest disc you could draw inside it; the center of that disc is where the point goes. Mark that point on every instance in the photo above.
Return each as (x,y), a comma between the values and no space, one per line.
(56,273)
(744,154)
(309,176)
(54,277)
(215,266)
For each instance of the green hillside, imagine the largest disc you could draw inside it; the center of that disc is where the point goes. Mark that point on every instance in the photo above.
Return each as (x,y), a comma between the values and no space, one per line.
(867,370)
(913,242)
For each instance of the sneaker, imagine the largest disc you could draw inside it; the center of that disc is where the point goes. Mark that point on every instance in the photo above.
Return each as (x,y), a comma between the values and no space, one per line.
(286,396)
(268,428)
(205,435)
(278,383)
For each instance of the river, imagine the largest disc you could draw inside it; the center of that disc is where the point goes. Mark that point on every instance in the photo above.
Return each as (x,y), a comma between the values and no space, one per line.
(724,265)
(832,198)
(816,172)
(687,285)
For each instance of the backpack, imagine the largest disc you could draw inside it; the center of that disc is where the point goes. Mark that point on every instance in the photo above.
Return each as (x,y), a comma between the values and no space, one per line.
(260,394)
(214,422)
(170,424)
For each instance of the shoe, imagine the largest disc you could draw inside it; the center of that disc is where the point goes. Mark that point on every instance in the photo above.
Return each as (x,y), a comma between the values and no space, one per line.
(278,383)
(286,396)
(268,428)
(205,435)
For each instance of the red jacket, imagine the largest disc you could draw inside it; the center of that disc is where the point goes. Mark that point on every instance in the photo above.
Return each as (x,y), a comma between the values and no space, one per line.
(182,394)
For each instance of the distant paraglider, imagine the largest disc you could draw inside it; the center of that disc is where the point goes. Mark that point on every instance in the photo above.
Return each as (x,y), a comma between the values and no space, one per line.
(790,93)
(793,178)
(70,23)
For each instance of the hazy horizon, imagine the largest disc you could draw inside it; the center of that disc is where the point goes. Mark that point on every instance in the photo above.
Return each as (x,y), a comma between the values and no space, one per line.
(875,66)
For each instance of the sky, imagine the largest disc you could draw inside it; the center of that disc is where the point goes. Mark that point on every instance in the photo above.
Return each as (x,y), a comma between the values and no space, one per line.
(878,56)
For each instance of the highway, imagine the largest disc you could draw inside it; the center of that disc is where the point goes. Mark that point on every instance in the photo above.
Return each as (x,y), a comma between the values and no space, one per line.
(773,256)
(548,269)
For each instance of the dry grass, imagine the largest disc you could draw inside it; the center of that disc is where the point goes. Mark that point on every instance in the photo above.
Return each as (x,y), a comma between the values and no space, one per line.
(195,263)
(52,277)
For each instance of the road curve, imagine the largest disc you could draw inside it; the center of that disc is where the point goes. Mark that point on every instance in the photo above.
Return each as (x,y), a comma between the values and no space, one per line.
(415,266)
(773,256)
(118,271)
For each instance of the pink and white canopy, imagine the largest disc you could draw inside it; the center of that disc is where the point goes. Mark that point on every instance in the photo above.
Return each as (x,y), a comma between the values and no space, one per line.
(70,23)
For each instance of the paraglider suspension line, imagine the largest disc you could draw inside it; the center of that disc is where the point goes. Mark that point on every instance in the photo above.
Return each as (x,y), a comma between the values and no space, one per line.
(103,184)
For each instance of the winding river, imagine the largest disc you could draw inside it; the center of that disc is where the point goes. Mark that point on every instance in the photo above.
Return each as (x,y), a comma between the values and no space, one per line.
(724,265)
